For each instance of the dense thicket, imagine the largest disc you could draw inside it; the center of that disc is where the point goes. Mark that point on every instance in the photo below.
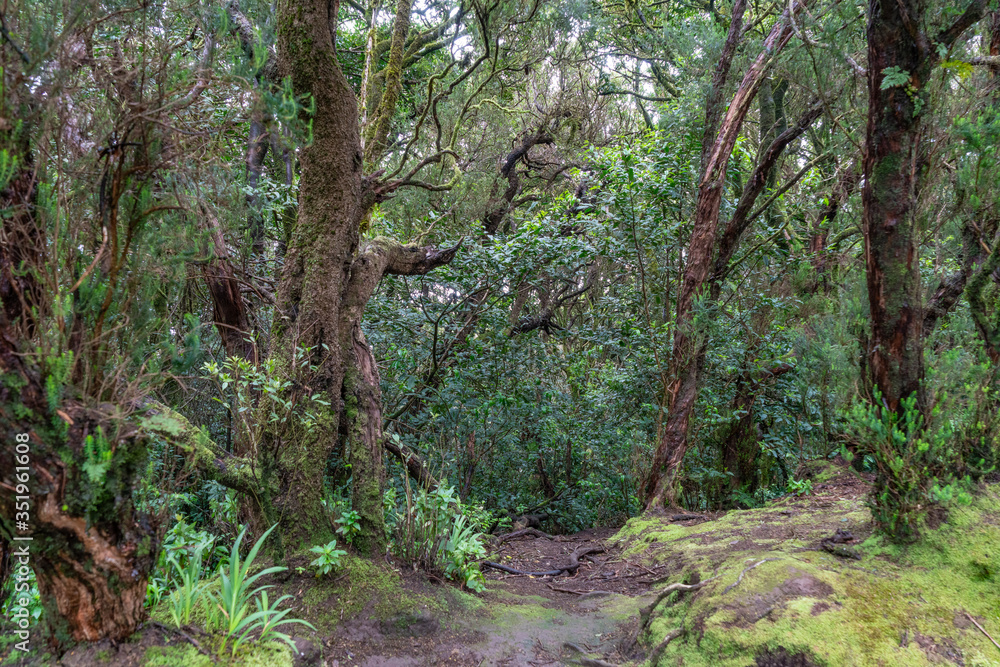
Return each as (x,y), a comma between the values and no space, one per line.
(578,260)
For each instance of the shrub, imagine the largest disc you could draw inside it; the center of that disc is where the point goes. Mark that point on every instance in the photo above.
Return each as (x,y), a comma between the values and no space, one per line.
(349,525)
(235,596)
(432,532)
(913,465)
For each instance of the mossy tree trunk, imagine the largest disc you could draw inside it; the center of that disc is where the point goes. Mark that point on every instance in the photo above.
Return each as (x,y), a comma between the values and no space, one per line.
(91,549)
(894,167)
(326,281)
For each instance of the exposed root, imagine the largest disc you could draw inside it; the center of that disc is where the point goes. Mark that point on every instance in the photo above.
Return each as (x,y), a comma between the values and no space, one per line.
(191,640)
(647,613)
(740,578)
(521,533)
(654,657)
(569,568)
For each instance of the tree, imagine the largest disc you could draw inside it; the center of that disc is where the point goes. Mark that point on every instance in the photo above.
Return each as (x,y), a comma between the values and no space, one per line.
(901,57)
(721,132)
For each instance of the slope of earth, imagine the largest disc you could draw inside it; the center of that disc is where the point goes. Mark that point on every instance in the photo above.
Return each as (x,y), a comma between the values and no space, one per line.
(520,621)
(798,583)
(801,582)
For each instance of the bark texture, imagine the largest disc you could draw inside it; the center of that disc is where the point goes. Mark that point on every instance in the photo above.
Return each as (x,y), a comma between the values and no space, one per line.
(92,551)
(326,281)
(895,164)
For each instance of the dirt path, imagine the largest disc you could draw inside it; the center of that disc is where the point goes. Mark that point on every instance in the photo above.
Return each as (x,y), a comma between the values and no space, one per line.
(587,618)
(385,615)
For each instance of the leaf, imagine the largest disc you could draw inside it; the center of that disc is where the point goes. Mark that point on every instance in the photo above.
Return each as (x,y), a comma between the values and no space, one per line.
(893,77)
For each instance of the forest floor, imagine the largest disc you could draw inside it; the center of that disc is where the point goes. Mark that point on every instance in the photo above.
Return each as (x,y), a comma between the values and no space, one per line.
(797,583)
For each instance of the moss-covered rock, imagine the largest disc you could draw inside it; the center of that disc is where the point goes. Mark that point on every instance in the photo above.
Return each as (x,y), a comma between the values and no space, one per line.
(775,597)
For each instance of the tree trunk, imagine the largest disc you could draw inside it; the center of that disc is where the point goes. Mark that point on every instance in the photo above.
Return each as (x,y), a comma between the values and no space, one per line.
(317,267)
(688,352)
(91,550)
(894,166)
(324,287)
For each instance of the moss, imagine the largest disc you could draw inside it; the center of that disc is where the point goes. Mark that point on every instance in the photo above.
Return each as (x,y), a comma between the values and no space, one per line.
(367,588)
(268,654)
(878,611)
(176,656)
(820,471)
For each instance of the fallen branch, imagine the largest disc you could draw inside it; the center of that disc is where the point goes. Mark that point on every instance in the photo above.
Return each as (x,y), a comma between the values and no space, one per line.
(569,568)
(981,629)
(685,517)
(521,533)
(740,578)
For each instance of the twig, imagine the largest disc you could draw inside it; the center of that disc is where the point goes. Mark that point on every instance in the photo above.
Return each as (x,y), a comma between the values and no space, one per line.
(654,657)
(10,40)
(969,616)
(566,590)
(194,642)
(740,578)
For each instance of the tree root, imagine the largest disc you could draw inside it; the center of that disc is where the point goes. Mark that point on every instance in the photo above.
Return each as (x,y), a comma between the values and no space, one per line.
(647,613)
(747,569)
(521,533)
(654,657)
(569,568)
(191,640)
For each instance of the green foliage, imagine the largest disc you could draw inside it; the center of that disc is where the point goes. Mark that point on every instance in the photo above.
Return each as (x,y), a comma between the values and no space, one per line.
(893,77)
(184,550)
(233,601)
(431,532)
(349,525)
(189,585)
(328,558)
(98,453)
(461,554)
(262,399)
(800,487)
(914,464)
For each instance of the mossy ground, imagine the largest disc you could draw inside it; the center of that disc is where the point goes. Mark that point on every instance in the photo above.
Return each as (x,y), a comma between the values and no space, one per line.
(772,596)
(897,605)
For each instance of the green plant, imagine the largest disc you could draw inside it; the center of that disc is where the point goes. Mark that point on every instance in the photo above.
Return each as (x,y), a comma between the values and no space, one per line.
(328,559)
(262,400)
(800,487)
(190,588)
(349,525)
(432,532)
(913,463)
(236,593)
(98,454)
(461,551)
(155,588)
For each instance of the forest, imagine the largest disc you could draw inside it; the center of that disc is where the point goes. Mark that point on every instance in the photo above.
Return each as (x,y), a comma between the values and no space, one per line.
(500,332)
